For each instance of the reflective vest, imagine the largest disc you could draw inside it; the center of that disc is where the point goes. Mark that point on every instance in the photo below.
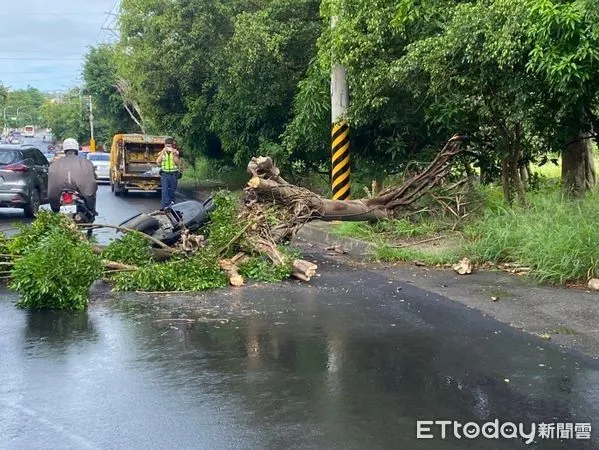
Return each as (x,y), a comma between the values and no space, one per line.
(168,163)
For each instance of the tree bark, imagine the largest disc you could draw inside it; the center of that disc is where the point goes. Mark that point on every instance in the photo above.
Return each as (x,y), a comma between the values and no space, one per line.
(268,187)
(303,270)
(525,174)
(505,180)
(511,178)
(232,271)
(578,166)
(517,155)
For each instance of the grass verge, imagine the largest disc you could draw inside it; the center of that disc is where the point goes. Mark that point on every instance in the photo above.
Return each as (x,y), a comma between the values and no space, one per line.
(208,175)
(387,253)
(553,236)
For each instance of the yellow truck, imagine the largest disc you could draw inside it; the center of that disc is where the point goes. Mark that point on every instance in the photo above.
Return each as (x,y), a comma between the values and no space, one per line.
(133,163)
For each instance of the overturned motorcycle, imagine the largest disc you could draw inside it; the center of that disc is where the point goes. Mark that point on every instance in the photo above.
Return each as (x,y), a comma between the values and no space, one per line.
(169,224)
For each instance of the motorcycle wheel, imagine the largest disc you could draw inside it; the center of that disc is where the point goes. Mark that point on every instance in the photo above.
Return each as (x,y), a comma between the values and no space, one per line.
(143,223)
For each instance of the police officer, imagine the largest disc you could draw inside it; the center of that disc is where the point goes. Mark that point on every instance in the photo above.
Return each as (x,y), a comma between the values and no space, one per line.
(169,162)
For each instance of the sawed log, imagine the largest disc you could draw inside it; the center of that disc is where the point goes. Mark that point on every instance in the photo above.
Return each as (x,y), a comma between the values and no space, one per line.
(303,270)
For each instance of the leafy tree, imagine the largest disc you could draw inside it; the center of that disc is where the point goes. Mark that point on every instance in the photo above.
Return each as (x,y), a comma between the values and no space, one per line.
(168,52)
(28,102)
(100,75)
(470,76)
(565,51)
(262,64)
(67,118)
(233,78)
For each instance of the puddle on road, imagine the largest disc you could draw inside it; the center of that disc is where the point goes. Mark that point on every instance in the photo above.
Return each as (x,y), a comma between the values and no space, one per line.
(234,369)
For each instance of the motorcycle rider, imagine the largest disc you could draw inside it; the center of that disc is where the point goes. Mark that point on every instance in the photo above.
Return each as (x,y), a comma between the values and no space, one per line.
(72,173)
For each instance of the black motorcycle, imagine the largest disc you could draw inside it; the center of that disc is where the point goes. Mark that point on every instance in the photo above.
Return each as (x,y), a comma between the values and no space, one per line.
(73,205)
(167,225)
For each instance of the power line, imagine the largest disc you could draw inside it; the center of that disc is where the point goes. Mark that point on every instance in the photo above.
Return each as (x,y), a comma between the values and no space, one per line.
(35,80)
(23,73)
(108,31)
(79,14)
(16,58)
(27,52)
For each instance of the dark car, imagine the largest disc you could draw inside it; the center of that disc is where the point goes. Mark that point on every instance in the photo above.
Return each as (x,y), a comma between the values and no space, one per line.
(23,178)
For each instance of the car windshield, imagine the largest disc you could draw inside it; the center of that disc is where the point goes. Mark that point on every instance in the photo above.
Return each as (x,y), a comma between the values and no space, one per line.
(9,157)
(98,157)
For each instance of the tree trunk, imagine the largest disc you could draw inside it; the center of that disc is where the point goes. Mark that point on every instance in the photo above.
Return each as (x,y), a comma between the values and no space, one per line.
(578,166)
(505,180)
(524,174)
(517,154)
(510,167)
(267,187)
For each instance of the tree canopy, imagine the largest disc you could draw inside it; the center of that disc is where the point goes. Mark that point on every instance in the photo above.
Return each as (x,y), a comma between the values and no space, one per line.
(235,78)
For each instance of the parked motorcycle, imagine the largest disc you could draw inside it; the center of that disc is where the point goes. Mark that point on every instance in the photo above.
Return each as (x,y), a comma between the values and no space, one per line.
(168,224)
(73,205)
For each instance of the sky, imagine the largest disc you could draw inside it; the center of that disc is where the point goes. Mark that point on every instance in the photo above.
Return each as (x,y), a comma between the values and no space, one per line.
(43,42)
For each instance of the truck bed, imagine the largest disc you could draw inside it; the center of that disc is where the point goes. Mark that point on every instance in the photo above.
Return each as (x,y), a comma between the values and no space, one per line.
(139,158)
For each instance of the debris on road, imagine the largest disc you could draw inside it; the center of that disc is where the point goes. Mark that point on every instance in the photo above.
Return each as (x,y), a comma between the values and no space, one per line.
(594,284)
(464,267)
(336,249)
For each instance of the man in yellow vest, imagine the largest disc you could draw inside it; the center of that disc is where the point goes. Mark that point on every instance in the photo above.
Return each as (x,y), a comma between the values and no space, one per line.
(169,162)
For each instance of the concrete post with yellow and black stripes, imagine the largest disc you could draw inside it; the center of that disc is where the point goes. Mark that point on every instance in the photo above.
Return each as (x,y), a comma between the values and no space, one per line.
(340,167)
(340,172)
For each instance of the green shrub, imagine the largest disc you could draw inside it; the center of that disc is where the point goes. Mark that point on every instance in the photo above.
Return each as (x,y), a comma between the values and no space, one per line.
(195,274)
(555,237)
(131,249)
(261,269)
(31,234)
(224,223)
(56,273)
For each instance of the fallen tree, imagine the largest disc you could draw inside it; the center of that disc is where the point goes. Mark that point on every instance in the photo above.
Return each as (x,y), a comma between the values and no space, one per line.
(296,206)
(52,265)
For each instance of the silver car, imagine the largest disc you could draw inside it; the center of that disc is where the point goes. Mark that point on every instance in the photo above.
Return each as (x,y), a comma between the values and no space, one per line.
(23,178)
(101,162)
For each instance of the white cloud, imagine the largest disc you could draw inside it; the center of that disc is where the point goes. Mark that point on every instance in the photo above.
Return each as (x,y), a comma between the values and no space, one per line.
(42,42)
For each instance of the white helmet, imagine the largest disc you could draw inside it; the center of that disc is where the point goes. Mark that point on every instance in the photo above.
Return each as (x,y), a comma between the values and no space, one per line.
(70,144)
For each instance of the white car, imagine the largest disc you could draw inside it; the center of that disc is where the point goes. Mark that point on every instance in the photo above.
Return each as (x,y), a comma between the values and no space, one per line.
(101,162)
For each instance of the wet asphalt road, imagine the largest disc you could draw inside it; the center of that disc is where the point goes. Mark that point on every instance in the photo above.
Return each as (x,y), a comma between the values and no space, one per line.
(113,210)
(350,361)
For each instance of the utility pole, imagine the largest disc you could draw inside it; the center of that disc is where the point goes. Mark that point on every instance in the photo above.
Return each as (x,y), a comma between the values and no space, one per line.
(92,141)
(340,128)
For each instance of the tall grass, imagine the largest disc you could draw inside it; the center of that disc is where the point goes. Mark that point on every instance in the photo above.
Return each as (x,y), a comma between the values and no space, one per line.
(387,253)
(206,172)
(391,229)
(555,237)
